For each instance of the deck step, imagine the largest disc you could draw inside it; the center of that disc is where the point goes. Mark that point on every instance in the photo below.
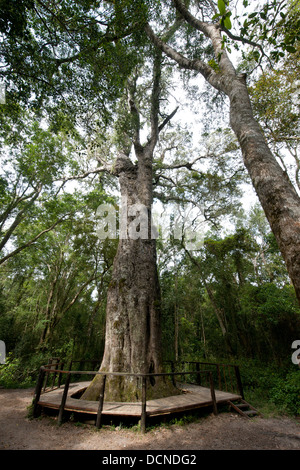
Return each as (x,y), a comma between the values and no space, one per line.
(243,408)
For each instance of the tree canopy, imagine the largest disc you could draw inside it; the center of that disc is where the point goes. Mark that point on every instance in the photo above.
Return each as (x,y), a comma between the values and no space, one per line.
(90,88)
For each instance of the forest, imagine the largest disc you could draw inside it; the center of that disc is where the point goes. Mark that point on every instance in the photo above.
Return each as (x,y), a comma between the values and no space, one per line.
(189,111)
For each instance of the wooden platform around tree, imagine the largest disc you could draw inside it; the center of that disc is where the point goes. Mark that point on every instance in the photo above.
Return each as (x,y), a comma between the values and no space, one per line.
(193,397)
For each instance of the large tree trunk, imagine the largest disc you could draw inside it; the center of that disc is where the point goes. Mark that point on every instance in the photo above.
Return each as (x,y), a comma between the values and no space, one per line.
(133,337)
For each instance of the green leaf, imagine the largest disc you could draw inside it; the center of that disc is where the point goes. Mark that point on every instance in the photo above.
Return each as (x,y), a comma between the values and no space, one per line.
(256,56)
(222,7)
(290,49)
(227,22)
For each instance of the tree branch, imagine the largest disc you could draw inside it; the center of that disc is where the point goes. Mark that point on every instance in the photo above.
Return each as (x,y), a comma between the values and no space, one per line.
(18,219)
(211,31)
(167,119)
(155,100)
(30,242)
(206,71)
(87,173)
(135,113)
(191,19)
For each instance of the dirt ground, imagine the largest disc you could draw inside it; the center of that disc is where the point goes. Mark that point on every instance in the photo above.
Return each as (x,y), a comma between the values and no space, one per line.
(227,431)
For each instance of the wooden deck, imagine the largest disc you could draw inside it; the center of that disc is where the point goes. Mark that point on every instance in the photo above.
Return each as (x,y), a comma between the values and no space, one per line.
(194,397)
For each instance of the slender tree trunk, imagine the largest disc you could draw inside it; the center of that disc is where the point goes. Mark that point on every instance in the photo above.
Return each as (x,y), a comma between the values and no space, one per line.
(220,318)
(275,191)
(203,335)
(176,321)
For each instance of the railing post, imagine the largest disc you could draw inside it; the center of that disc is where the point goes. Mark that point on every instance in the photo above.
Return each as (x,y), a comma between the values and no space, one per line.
(219,377)
(38,391)
(63,400)
(101,400)
(47,375)
(143,414)
(54,373)
(60,375)
(213,395)
(239,381)
(198,379)
(173,372)
(224,375)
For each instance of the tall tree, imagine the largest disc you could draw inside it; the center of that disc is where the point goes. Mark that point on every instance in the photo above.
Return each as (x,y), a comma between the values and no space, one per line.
(133,331)
(276,102)
(275,191)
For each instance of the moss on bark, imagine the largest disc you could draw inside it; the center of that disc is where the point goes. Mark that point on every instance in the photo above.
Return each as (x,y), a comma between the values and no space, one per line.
(129,389)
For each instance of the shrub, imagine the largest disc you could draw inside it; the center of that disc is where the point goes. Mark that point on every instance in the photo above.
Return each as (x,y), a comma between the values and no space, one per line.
(11,374)
(18,373)
(286,393)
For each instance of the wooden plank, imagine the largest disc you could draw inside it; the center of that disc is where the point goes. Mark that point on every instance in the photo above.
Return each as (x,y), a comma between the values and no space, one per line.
(194,396)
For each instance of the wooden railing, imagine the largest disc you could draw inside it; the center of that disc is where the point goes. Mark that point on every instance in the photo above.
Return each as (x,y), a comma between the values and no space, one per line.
(226,377)
(58,373)
(52,369)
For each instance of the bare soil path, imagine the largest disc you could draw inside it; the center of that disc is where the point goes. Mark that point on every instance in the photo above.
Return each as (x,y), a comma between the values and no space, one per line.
(227,431)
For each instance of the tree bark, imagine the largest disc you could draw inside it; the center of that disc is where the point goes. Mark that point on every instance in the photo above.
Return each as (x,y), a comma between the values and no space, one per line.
(275,191)
(133,335)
